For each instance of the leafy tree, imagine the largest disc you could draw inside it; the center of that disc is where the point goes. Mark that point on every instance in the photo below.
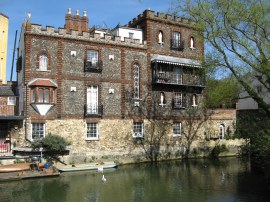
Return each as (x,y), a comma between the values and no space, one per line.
(237,37)
(53,146)
(221,92)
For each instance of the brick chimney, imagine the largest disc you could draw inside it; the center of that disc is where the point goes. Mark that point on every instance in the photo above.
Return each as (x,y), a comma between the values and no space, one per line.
(75,22)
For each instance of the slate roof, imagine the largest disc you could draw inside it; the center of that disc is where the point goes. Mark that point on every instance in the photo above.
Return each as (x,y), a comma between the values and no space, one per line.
(7,91)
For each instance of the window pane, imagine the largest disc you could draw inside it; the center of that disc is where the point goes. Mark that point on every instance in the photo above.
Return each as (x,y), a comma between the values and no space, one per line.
(33,95)
(177,128)
(92,56)
(92,131)
(137,129)
(53,92)
(43,62)
(136,81)
(40,95)
(191,42)
(46,95)
(178,100)
(11,100)
(37,130)
(92,100)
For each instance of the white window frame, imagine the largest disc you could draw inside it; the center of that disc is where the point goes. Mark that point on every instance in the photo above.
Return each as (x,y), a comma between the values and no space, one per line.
(92,56)
(179,125)
(177,39)
(44,128)
(11,101)
(43,62)
(192,40)
(138,130)
(160,37)
(92,102)
(96,135)
(136,77)
(221,131)
(178,97)
(194,100)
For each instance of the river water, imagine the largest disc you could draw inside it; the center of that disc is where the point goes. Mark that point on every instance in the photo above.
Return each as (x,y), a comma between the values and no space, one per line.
(224,180)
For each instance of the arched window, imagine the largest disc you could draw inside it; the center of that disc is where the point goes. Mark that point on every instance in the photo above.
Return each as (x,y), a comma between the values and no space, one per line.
(43,63)
(192,42)
(160,37)
(162,100)
(221,131)
(194,100)
(136,78)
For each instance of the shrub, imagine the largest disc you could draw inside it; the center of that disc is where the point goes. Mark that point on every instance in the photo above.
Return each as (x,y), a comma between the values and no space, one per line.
(53,145)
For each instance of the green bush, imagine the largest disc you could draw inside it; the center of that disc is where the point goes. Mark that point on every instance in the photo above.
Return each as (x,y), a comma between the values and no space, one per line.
(217,150)
(53,145)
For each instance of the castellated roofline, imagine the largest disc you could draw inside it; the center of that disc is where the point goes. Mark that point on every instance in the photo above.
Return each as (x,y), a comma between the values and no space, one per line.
(86,36)
(163,17)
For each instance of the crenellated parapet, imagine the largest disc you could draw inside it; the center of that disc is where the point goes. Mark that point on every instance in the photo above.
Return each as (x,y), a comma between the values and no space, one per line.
(86,36)
(148,14)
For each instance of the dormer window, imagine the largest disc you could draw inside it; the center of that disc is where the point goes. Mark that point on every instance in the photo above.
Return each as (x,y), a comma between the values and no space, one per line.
(43,63)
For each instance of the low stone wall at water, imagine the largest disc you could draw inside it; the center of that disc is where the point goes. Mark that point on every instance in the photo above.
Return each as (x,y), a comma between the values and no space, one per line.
(115,141)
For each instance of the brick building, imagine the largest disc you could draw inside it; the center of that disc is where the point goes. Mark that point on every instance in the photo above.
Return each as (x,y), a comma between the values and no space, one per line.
(101,88)
(10,119)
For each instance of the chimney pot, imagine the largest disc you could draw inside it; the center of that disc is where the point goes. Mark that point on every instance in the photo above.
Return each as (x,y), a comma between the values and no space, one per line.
(84,13)
(69,10)
(77,12)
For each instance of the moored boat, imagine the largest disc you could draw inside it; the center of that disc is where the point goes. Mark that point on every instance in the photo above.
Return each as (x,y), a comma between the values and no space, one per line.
(14,167)
(89,166)
(18,167)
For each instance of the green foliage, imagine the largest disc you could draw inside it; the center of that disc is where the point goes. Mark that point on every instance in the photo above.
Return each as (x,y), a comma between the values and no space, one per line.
(255,127)
(221,92)
(236,36)
(53,145)
(217,150)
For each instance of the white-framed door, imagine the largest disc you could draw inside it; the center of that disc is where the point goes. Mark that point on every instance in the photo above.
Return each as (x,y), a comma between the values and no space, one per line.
(92,99)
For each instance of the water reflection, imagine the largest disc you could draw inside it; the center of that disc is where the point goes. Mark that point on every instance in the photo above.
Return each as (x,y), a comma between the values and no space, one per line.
(193,180)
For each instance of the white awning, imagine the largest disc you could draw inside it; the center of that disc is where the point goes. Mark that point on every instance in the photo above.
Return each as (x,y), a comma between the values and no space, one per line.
(175,61)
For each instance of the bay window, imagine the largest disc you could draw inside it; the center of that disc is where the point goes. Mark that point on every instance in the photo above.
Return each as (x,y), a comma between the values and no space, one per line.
(43,95)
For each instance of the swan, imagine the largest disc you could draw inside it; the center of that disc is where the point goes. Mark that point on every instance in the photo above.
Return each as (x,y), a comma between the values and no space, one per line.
(103,178)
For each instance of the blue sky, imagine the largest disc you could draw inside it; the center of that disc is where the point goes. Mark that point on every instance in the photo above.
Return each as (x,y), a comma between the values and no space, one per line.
(52,13)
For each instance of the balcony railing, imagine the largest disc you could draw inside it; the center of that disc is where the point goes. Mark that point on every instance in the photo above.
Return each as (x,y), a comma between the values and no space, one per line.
(93,110)
(177,45)
(177,79)
(93,66)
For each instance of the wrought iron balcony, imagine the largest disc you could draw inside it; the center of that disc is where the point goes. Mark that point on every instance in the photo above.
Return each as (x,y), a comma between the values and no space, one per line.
(93,110)
(177,45)
(177,79)
(93,66)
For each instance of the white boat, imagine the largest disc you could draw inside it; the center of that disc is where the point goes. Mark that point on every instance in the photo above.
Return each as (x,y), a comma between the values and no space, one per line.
(88,166)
